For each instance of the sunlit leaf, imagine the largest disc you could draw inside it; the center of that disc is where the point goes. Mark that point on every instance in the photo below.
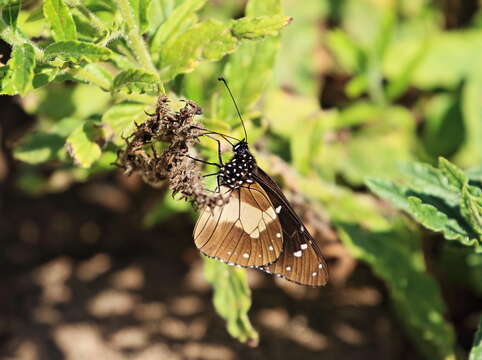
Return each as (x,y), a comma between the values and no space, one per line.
(257,27)
(136,80)
(76,51)
(121,120)
(60,19)
(20,72)
(83,144)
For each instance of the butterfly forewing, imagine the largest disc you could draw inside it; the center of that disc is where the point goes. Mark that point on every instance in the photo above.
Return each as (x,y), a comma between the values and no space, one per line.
(301,260)
(245,231)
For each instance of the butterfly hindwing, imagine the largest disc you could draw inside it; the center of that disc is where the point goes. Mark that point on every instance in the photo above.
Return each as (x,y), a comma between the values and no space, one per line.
(301,260)
(246,231)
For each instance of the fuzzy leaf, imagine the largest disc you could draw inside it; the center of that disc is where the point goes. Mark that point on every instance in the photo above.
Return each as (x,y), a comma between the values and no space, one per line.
(140,9)
(396,257)
(60,19)
(390,191)
(260,26)
(175,24)
(20,71)
(476,352)
(82,144)
(436,220)
(136,80)
(76,51)
(120,120)
(454,175)
(232,298)
(206,41)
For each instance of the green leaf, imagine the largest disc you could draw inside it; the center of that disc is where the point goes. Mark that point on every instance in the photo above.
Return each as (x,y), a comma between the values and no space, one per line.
(44,74)
(260,26)
(10,11)
(471,209)
(39,147)
(165,208)
(454,175)
(206,41)
(60,19)
(175,24)
(140,8)
(76,51)
(256,58)
(395,256)
(136,80)
(434,219)
(232,298)
(19,76)
(426,179)
(390,191)
(121,120)
(476,352)
(83,144)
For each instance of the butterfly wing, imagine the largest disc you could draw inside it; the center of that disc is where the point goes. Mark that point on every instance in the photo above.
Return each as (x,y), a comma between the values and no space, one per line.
(301,260)
(245,231)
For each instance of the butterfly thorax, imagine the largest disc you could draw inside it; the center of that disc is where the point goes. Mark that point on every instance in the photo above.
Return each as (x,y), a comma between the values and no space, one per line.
(239,170)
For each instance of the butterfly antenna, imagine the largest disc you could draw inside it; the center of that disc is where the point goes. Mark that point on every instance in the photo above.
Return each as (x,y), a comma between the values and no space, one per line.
(235,105)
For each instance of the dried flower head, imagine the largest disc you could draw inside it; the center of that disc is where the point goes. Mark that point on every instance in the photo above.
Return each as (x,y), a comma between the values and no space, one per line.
(178,133)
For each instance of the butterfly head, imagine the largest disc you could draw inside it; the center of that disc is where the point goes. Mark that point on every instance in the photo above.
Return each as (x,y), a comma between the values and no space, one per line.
(241,148)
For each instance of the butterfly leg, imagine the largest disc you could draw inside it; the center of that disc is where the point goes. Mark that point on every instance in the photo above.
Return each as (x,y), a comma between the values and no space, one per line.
(203,161)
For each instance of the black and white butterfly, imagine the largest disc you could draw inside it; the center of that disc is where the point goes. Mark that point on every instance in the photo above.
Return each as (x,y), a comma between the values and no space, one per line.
(258,227)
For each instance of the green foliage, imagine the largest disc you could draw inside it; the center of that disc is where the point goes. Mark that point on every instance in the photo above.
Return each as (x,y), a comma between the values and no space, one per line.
(405,90)
(396,257)
(232,298)
(440,199)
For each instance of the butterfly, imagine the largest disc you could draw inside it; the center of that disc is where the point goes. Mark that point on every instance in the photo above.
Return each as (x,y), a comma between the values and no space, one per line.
(257,227)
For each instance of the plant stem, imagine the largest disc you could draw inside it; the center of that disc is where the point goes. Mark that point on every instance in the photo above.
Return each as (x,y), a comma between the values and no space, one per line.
(89,15)
(134,37)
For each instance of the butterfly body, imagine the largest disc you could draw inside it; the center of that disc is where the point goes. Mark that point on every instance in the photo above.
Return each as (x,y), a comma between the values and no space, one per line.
(258,228)
(239,170)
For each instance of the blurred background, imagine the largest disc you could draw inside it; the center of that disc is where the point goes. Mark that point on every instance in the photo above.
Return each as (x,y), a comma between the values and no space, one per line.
(98,265)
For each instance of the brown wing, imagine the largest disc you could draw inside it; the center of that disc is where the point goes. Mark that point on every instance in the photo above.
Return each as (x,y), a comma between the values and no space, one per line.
(301,261)
(245,231)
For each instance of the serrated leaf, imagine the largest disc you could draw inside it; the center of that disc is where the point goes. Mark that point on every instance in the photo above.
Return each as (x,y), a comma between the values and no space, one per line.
(19,76)
(258,27)
(435,220)
(76,51)
(207,41)
(82,144)
(121,120)
(60,19)
(476,351)
(454,175)
(395,256)
(471,209)
(426,179)
(232,298)
(136,80)
(175,24)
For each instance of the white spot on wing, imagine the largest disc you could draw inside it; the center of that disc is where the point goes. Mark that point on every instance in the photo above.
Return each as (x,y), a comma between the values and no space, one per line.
(297,253)
(246,255)
(278,235)
(288,268)
(278,209)
(314,274)
(304,246)
(320,266)
(270,248)
(302,228)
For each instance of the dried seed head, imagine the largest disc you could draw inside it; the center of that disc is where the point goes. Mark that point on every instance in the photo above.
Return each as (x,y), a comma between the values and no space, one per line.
(178,132)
